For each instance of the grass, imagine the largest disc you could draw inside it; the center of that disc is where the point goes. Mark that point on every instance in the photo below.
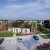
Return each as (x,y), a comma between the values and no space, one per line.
(38,32)
(6,34)
(45,36)
(45,31)
(20,34)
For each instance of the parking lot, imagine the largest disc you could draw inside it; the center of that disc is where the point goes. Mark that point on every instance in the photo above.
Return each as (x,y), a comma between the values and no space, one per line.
(28,43)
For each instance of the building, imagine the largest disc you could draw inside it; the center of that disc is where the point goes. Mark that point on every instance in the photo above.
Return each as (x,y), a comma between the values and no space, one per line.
(26,31)
(16,30)
(19,30)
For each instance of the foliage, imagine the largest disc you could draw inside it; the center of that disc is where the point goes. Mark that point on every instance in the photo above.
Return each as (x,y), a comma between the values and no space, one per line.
(27,25)
(43,24)
(45,46)
(38,32)
(5,33)
(4,26)
(45,36)
(40,27)
(17,23)
(49,24)
(20,34)
(45,31)
(10,24)
(46,24)
(0,23)
(34,24)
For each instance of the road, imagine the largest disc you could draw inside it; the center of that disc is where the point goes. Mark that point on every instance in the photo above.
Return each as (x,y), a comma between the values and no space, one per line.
(28,43)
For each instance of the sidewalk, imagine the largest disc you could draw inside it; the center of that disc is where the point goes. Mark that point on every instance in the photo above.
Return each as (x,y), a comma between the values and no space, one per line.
(14,35)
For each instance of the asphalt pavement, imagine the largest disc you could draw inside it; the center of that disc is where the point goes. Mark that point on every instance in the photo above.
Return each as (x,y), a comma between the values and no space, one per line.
(28,43)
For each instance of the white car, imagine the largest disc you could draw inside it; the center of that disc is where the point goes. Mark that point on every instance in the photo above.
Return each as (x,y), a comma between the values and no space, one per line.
(19,39)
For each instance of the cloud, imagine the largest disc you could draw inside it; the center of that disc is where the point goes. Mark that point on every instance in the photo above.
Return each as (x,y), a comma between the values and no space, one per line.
(26,9)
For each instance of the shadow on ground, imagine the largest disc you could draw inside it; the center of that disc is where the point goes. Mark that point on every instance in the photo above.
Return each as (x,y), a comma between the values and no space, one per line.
(18,48)
(2,48)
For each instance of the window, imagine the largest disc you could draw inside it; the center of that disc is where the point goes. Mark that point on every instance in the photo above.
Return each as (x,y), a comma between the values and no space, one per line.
(25,30)
(16,30)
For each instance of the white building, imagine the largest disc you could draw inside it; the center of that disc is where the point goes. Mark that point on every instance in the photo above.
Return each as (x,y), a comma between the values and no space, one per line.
(10,29)
(25,31)
(16,30)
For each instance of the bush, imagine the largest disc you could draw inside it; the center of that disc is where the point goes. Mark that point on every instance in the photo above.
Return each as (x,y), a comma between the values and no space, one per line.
(45,46)
(45,30)
(18,34)
(38,32)
(5,33)
(45,36)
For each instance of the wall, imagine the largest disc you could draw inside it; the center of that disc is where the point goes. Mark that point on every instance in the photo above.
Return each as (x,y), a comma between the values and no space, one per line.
(10,29)
(25,31)
(16,30)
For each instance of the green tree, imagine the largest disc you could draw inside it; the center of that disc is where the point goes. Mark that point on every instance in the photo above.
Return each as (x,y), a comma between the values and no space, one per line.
(17,23)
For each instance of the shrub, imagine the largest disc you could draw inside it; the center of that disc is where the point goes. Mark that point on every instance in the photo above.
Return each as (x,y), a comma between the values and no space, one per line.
(18,34)
(5,33)
(45,46)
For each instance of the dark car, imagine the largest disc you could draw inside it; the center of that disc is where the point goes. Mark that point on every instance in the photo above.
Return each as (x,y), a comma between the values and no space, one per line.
(36,37)
(1,40)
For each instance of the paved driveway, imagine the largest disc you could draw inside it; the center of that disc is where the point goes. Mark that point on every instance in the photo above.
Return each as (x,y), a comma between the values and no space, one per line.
(28,43)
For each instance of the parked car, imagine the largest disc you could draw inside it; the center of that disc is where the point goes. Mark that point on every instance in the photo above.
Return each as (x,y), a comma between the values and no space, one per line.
(36,37)
(19,39)
(1,40)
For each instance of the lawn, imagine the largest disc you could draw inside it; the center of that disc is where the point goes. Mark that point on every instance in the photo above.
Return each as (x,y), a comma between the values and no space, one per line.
(6,34)
(38,32)
(45,36)
(45,31)
(18,34)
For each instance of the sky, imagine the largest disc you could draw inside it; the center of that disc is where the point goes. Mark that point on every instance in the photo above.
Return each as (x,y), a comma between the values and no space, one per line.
(25,9)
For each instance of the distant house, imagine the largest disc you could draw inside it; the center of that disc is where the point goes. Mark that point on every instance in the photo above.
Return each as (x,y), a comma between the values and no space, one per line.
(26,31)
(16,30)
(10,29)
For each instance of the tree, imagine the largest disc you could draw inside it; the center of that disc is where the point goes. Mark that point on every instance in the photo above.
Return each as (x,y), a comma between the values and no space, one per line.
(17,23)
(49,25)
(27,25)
